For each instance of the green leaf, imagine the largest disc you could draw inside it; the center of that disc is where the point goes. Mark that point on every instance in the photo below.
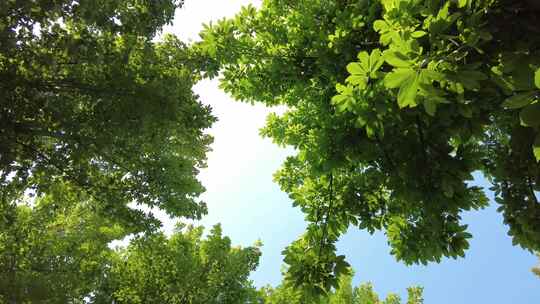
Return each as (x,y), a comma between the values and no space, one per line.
(465,110)
(338,99)
(530,115)
(370,131)
(430,106)
(355,68)
(375,60)
(418,34)
(462,3)
(361,81)
(537,78)
(536,147)
(519,100)
(471,79)
(380,26)
(397,59)
(363,57)
(430,75)
(395,78)
(447,188)
(407,92)
(341,88)
(360,122)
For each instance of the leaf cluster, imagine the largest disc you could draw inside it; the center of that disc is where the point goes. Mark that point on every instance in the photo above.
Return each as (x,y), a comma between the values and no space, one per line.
(392,106)
(89,98)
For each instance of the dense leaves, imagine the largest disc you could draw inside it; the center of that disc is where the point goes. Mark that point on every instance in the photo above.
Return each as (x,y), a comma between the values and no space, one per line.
(88,98)
(344,293)
(392,105)
(54,250)
(57,250)
(181,269)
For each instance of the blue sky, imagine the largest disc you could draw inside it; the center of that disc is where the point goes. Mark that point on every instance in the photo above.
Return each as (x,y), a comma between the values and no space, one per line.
(243,198)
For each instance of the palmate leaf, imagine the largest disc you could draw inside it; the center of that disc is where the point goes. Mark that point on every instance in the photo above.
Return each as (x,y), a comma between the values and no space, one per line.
(365,68)
(408,91)
(408,81)
(380,26)
(363,57)
(375,62)
(428,76)
(358,75)
(354,68)
(397,59)
(360,81)
(397,77)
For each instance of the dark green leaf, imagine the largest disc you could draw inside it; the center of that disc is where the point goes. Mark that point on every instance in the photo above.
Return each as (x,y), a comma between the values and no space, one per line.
(519,100)
(530,115)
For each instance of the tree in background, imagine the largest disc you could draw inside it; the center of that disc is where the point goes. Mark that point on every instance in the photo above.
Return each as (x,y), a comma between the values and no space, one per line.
(183,268)
(392,105)
(54,250)
(536,270)
(89,99)
(344,293)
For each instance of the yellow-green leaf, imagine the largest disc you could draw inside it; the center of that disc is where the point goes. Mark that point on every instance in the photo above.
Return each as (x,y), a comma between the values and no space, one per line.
(355,68)
(364,60)
(536,147)
(407,92)
(380,25)
(375,60)
(397,59)
(357,80)
(418,34)
(395,78)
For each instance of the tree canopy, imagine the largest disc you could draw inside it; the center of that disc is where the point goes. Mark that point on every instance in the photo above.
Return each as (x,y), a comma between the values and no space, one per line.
(392,105)
(57,250)
(89,98)
(54,250)
(183,268)
(344,293)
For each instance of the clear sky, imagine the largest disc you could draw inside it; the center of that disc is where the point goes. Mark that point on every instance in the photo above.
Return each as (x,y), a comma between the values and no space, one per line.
(243,198)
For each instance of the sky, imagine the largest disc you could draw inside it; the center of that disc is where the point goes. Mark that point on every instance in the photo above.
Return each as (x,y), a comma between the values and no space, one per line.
(250,206)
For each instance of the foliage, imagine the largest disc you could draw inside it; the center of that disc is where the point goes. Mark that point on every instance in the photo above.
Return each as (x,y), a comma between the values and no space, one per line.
(88,98)
(344,293)
(180,269)
(54,251)
(392,105)
(57,250)
(536,270)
